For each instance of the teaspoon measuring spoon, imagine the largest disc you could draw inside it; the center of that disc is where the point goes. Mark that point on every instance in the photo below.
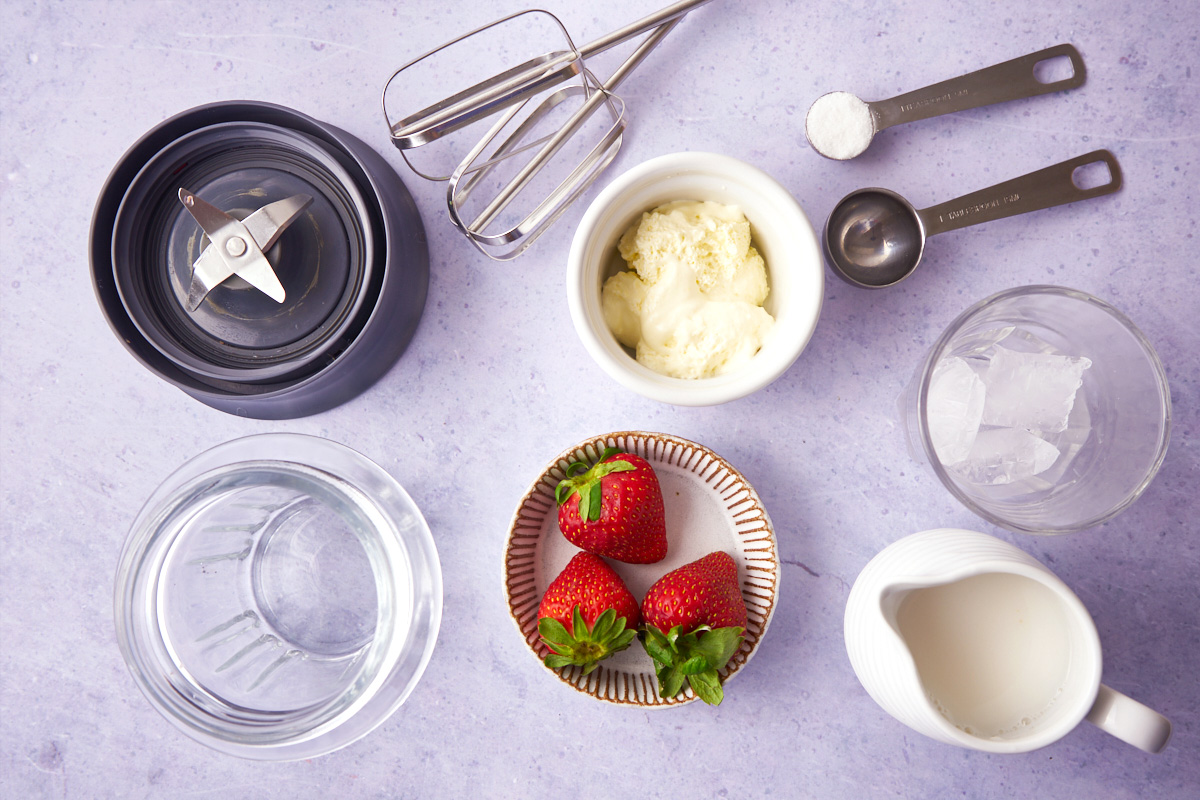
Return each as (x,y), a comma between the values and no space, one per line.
(840,126)
(875,238)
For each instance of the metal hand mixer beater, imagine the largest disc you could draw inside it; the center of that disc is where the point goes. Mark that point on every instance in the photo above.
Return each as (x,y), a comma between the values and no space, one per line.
(524,139)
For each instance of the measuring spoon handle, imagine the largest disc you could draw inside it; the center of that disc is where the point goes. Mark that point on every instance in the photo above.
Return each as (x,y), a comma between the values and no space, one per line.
(1011,80)
(1052,186)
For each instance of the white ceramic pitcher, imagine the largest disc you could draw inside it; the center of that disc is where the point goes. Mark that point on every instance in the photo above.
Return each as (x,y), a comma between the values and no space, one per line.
(968,640)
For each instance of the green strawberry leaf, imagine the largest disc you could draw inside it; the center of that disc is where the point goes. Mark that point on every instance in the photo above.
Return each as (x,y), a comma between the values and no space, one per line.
(616,634)
(693,658)
(590,501)
(657,647)
(579,628)
(588,484)
(658,653)
(707,686)
(654,633)
(718,645)
(564,489)
(609,452)
(623,640)
(580,646)
(604,623)
(673,636)
(686,643)
(670,682)
(553,632)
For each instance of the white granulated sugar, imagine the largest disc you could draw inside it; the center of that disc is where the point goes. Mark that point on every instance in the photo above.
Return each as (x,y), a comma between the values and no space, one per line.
(839,125)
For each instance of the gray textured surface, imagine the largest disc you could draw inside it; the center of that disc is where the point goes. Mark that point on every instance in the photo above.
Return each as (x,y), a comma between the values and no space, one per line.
(495,384)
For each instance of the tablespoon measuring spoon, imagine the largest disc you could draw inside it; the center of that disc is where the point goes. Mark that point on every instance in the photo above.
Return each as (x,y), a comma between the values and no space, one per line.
(875,238)
(840,126)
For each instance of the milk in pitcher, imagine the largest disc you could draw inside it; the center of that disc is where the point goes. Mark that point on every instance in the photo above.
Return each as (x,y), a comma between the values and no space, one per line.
(992,650)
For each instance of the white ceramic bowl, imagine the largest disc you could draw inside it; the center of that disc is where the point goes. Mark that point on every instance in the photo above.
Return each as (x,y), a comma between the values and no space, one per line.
(780,231)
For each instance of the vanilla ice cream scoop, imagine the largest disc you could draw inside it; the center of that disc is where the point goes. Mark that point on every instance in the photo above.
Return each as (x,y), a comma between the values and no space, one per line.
(691,304)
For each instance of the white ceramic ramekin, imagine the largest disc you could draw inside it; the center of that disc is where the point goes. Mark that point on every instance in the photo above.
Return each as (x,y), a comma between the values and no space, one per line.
(781,232)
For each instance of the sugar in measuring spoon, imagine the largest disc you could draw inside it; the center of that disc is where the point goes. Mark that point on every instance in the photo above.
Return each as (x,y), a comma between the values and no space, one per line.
(840,126)
(875,238)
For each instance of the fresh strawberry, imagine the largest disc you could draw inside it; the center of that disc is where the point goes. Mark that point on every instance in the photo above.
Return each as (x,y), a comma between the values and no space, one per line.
(586,614)
(694,620)
(614,508)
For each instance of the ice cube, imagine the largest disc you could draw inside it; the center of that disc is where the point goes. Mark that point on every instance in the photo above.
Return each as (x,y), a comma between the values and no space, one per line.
(1005,455)
(1033,391)
(955,408)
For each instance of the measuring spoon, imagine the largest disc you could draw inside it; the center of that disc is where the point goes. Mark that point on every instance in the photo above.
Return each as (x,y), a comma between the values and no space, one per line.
(875,238)
(840,126)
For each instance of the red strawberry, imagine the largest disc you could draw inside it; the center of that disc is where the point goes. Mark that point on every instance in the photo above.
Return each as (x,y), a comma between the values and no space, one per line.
(695,617)
(704,592)
(614,508)
(586,614)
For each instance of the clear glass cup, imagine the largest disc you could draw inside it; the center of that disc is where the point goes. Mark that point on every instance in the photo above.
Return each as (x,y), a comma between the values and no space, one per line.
(1042,409)
(278,597)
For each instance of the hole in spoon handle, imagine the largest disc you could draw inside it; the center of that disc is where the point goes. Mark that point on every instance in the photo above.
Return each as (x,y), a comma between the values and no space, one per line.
(1085,173)
(1010,80)
(1052,186)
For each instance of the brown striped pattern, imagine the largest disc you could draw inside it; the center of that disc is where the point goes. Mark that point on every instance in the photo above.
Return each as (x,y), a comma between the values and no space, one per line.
(754,546)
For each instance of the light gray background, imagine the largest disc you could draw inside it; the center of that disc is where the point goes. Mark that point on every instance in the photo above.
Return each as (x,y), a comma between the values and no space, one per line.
(495,384)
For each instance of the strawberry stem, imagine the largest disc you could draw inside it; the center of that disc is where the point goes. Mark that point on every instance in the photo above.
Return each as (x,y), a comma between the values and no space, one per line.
(588,484)
(581,646)
(693,658)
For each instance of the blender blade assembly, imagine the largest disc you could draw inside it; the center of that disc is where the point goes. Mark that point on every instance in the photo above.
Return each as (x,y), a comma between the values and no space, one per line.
(239,247)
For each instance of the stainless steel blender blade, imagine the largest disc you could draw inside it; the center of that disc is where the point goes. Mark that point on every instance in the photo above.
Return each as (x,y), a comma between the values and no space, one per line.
(239,247)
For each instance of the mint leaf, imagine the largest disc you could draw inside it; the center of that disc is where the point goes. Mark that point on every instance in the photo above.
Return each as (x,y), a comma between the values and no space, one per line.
(694,665)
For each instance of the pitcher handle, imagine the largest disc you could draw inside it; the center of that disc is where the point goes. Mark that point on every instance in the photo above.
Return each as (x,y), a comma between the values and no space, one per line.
(1130,721)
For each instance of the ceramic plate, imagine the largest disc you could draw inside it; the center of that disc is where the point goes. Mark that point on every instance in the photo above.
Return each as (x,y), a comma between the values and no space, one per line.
(709,506)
